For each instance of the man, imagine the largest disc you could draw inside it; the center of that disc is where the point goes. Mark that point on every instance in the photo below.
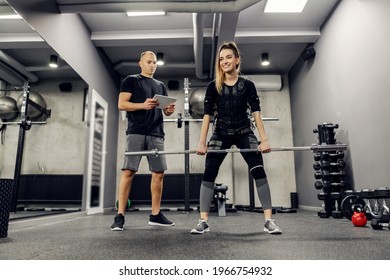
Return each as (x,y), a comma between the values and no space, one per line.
(144,132)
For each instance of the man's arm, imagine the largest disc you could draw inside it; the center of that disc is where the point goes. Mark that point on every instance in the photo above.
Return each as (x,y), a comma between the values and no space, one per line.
(124,103)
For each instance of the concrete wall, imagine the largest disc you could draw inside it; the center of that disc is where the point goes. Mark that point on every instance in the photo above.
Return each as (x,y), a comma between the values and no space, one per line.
(57,147)
(233,172)
(347,83)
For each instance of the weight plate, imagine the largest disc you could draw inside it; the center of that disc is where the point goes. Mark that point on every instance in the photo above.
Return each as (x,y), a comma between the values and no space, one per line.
(349,205)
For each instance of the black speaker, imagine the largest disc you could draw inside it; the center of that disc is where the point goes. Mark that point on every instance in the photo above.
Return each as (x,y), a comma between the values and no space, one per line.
(173,84)
(308,53)
(65,87)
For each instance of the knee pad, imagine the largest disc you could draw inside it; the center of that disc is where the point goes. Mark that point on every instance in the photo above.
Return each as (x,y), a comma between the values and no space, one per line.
(258,172)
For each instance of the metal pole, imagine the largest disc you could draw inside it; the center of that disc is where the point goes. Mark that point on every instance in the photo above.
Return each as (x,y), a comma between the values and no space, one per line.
(19,153)
(186,146)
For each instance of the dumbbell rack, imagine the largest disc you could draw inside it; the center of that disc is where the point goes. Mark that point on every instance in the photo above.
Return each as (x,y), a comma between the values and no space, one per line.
(329,173)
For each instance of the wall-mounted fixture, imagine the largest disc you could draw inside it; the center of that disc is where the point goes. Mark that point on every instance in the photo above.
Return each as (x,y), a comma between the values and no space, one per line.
(160,58)
(53,62)
(264,59)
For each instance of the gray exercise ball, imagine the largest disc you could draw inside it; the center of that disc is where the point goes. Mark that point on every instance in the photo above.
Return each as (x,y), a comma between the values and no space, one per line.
(197,102)
(8,108)
(33,112)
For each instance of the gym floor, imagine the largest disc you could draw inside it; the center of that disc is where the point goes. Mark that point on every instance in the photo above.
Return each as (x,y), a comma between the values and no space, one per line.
(239,235)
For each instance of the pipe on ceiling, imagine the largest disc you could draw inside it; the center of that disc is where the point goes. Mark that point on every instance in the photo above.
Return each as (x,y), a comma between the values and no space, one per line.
(197,20)
(214,41)
(17,69)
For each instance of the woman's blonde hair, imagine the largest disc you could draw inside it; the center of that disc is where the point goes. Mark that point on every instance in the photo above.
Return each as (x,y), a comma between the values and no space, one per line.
(219,74)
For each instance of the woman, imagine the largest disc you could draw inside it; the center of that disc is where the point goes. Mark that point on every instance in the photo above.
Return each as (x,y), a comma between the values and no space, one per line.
(230,95)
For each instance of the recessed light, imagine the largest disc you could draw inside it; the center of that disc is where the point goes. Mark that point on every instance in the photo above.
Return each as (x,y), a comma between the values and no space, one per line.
(140,14)
(285,6)
(10,17)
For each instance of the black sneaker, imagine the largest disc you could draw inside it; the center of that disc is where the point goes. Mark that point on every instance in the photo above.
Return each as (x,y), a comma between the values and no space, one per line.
(159,220)
(119,221)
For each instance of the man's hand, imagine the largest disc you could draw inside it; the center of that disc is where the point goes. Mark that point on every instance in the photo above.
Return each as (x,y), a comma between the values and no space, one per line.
(150,104)
(170,109)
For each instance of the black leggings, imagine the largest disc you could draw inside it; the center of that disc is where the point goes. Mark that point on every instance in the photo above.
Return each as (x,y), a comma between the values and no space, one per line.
(222,142)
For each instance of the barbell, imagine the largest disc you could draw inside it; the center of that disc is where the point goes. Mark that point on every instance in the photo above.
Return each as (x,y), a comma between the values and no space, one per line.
(313,148)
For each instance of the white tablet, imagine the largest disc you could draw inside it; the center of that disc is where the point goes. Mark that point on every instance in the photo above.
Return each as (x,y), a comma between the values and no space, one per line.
(164,101)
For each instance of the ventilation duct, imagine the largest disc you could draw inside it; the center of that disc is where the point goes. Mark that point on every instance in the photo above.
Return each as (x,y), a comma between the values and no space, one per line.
(172,6)
(13,72)
(267,82)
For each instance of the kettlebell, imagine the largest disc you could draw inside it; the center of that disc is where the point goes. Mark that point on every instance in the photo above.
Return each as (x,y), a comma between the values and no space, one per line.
(359,219)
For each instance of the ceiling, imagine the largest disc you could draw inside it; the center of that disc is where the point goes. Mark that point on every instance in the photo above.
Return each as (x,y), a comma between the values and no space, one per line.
(187,35)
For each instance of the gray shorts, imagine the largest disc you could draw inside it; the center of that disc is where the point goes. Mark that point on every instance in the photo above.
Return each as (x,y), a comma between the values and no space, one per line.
(137,142)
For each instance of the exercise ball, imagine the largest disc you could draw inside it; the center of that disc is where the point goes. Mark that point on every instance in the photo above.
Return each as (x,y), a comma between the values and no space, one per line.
(197,102)
(8,108)
(32,112)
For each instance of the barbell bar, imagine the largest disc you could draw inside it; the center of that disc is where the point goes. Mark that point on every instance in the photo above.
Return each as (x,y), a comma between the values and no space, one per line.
(20,122)
(200,120)
(313,148)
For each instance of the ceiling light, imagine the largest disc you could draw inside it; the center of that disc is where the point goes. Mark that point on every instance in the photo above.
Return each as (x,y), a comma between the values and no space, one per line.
(160,58)
(285,6)
(53,62)
(264,59)
(7,12)
(10,17)
(140,14)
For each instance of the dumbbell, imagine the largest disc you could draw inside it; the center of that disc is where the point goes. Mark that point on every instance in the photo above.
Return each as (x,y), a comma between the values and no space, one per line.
(323,213)
(316,166)
(378,224)
(325,205)
(326,185)
(321,196)
(326,165)
(321,156)
(325,174)
(337,155)
(336,213)
(318,185)
(341,184)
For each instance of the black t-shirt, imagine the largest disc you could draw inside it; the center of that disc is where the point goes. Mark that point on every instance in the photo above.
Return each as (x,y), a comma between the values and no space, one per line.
(145,122)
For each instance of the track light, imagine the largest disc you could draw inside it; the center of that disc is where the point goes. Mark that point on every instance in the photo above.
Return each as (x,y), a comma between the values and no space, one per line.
(53,61)
(160,58)
(139,14)
(264,59)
